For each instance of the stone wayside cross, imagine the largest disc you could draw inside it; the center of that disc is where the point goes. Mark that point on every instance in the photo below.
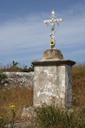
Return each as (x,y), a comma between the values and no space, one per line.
(52,75)
(53,20)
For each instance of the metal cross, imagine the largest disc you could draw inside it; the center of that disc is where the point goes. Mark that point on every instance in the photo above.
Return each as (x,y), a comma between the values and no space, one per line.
(53,20)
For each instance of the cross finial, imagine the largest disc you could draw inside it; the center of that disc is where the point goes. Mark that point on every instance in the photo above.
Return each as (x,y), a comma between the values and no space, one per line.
(53,20)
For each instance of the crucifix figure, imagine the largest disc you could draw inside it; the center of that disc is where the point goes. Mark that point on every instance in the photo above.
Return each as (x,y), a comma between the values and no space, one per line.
(53,20)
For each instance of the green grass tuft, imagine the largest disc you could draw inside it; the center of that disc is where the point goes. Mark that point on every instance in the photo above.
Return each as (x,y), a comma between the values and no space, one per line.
(50,117)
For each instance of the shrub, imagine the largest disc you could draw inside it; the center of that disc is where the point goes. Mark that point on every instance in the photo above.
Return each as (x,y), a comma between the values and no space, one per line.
(25,69)
(2,76)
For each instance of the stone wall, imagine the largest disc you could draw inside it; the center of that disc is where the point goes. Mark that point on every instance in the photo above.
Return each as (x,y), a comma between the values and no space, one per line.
(18,78)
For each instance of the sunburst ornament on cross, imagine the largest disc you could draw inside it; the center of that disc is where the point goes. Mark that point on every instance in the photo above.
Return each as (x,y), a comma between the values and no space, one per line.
(53,20)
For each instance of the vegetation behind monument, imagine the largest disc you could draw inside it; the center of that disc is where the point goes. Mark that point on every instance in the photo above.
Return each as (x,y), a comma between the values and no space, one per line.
(24,98)
(14,67)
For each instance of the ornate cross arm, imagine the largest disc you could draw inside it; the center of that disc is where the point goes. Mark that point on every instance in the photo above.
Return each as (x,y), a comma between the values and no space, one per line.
(53,20)
(47,22)
(58,21)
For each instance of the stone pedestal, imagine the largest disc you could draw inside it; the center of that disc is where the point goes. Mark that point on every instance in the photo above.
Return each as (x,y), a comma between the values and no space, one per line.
(53,80)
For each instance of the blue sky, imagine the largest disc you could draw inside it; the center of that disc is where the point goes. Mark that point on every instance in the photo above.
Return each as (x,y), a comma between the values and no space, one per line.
(24,37)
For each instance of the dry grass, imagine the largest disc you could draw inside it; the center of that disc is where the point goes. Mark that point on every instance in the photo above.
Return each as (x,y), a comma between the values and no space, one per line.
(10,69)
(79,85)
(19,97)
(14,68)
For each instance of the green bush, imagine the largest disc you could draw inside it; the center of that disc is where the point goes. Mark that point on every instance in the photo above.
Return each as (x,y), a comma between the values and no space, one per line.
(25,69)
(31,69)
(2,76)
(14,64)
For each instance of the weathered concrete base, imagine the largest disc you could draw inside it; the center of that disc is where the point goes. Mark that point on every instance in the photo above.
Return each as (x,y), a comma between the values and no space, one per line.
(53,82)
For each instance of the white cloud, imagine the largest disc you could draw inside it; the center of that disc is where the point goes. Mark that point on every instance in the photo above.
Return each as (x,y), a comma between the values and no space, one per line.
(31,36)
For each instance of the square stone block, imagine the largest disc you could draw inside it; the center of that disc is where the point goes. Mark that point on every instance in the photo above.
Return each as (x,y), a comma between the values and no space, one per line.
(53,83)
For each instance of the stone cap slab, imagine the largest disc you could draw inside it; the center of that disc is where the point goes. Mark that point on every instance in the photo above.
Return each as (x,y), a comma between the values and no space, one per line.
(53,62)
(52,54)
